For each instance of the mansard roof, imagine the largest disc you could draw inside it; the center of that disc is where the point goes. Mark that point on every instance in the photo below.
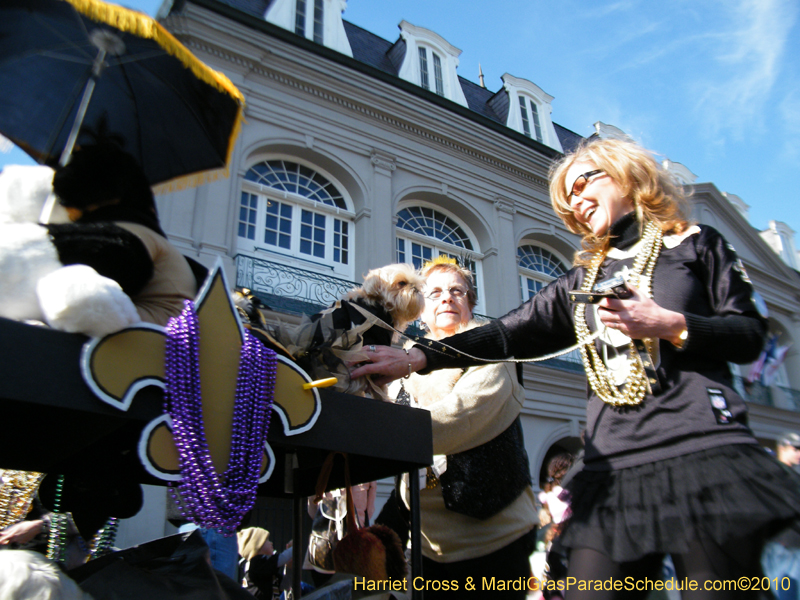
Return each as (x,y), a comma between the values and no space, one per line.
(478,99)
(252,7)
(372,50)
(569,139)
(369,48)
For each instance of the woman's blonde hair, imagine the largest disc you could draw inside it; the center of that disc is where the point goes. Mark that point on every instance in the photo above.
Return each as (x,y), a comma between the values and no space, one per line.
(656,196)
(446,264)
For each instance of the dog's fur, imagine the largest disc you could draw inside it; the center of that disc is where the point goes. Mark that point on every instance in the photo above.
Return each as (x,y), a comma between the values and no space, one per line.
(395,288)
(323,344)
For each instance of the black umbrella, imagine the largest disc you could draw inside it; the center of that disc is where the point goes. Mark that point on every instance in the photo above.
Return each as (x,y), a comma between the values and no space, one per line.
(73,70)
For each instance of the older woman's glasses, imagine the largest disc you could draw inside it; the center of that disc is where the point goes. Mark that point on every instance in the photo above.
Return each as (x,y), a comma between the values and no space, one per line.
(455,292)
(582,181)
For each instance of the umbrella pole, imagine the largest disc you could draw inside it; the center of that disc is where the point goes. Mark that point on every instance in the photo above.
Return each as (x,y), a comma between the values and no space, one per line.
(97,69)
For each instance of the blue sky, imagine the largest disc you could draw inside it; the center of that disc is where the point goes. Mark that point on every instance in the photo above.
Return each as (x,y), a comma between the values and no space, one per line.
(711,84)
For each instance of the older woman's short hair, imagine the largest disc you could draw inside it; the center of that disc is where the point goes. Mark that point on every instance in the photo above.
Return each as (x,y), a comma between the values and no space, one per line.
(26,574)
(446,264)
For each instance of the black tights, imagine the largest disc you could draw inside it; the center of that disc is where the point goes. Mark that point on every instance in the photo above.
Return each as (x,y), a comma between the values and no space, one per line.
(704,561)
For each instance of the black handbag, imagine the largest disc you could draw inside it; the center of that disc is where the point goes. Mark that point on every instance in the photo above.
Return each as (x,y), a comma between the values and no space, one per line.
(482,481)
(330,523)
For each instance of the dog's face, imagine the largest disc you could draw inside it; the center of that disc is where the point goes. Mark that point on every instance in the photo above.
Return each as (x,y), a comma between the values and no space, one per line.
(398,288)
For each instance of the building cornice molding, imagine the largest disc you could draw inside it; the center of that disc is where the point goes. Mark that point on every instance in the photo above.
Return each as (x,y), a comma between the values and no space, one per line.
(242,27)
(201,46)
(364,213)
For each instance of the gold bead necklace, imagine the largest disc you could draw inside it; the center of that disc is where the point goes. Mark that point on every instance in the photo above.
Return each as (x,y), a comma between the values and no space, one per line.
(17,489)
(633,391)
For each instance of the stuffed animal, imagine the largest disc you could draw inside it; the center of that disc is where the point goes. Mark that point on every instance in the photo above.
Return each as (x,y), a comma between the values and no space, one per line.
(110,266)
(37,286)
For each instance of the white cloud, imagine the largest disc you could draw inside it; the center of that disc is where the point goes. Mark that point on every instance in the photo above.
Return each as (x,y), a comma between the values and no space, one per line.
(749,54)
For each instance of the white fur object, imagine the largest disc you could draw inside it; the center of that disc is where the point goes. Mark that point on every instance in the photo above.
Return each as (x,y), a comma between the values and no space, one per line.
(23,191)
(27,575)
(26,255)
(78,299)
(34,285)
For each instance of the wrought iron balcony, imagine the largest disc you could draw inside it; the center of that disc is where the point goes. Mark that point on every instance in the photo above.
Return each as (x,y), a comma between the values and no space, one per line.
(568,362)
(777,396)
(288,289)
(793,396)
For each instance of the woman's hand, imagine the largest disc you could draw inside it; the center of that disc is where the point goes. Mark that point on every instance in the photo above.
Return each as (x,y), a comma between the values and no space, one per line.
(390,363)
(639,317)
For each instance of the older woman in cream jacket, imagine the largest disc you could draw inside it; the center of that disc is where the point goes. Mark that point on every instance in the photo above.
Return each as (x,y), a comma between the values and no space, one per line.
(478,511)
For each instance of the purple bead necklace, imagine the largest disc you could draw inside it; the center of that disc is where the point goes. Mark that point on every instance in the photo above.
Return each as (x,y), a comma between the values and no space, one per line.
(205,498)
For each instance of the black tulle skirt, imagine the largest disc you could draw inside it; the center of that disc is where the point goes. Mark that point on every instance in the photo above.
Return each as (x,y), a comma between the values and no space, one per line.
(726,493)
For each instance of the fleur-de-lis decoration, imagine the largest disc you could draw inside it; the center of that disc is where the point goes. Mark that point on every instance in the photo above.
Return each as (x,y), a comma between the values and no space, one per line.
(117,366)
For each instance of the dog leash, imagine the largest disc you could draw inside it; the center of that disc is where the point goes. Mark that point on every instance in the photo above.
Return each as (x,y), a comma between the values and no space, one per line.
(419,340)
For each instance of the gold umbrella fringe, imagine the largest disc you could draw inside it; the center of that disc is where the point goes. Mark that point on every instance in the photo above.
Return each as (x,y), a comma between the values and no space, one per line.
(140,24)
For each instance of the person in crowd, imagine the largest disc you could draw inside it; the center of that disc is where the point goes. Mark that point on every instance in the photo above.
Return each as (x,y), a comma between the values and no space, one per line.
(262,567)
(364,501)
(481,462)
(670,465)
(558,511)
(781,556)
(788,450)
(550,498)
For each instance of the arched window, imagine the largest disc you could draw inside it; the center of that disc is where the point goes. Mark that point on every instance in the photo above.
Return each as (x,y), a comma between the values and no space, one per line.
(423,233)
(537,268)
(294,210)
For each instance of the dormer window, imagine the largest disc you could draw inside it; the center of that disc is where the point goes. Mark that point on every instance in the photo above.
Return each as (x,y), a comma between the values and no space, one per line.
(316,20)
(526,108)
(302,18)
(526,123)
(424,71)
(429,61)
(423,68)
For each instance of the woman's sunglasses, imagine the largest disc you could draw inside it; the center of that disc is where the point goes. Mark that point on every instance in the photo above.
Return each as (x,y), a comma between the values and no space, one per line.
(582,181)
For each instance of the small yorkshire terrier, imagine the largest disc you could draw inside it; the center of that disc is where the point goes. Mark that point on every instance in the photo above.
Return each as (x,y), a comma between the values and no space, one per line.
(394,291)
(390,298)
